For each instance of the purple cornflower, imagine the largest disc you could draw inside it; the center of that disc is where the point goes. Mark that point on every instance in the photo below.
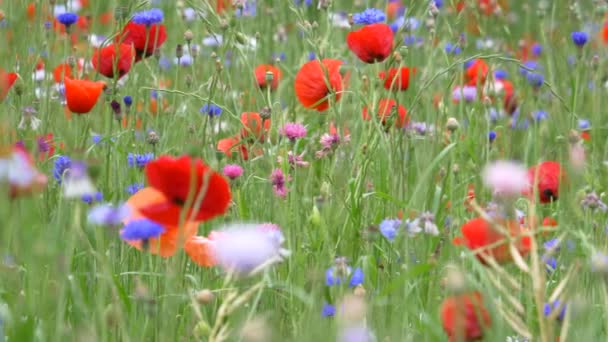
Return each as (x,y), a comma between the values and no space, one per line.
(329,141)
(139,160)
(233,171)
(68,19)
(107,215)
(134,188)
(593,202)
(579,38)
(369,16)
(293,131)
(143,229)
(467,93)
(149,17)
(294,160)
(278,183)
(389,228)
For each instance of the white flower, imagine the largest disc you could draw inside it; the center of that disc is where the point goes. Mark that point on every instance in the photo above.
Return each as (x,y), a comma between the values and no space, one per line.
(243,248)
(506,178)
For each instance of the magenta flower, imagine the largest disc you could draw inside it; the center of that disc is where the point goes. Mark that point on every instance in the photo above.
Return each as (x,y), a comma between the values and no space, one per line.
(294,160)
(233,171)
(293,131)
(278,183)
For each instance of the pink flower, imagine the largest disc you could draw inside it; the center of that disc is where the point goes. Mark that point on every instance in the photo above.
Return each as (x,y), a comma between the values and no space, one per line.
(278,183)
(293,131)
(294,160)
(233,171)
(506,178)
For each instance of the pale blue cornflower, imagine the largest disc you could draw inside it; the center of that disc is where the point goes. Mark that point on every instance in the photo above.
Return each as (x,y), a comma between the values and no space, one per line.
(369,16)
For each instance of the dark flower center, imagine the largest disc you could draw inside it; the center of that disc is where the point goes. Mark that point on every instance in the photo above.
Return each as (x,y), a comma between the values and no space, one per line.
(549,194)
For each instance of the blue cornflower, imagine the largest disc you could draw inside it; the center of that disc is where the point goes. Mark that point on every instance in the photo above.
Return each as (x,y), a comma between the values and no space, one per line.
(128,100)
(579,38)
(410,24)
(452,48)
(369,16)
(139,160)
(550,308)
(68,19)
(62,163)
(164,63)
(328,310)
(410,40)
(438,3)
(97,138)
(501,74)
(550,263)
(389,228)
(312,56)
(90,198)
(540,115)
(211,110)
(356,278)
(584,124)
(537,49)
(107,215)
(134,188)
(249,10)
(143,229)
(552,245)
(149,17)
(528,67)
(492,136)
(468,63)
(535,80)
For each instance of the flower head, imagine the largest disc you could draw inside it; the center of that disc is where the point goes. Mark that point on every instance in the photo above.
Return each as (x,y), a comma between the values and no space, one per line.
(536,80)
(465,316)
(551,310)
(139,160)
(372,43)
(550,175)
(62,163)
(579,38)
(506,178)
(134,188)
(243,248)
(312,80)
(149,17)
(389,228)
(67,19)
(278,180)
(233,171)
(293,131)
(77,182)
(211,110)
(369,16)
(108,215)
(143,229)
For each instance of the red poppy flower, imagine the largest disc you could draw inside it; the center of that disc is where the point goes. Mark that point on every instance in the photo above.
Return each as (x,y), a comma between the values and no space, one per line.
(222,5)
(112,57)
(397,78)
(550,175)
(465,317)
(252,123)
(81,95)
(371,43)
(312,80)
(260,75)
(231,145)
(385,109)
(145,39)
(478,235)
(7,79)
(394,9)
(175,178)
(477,72)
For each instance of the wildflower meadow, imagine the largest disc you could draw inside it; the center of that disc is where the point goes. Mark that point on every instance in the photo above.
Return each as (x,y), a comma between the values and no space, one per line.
(303,170)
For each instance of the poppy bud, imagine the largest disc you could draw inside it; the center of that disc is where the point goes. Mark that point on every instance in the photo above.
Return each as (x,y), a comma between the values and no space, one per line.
(452,124)
(179,51)
(188,36)
(204,296)
(152,138)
